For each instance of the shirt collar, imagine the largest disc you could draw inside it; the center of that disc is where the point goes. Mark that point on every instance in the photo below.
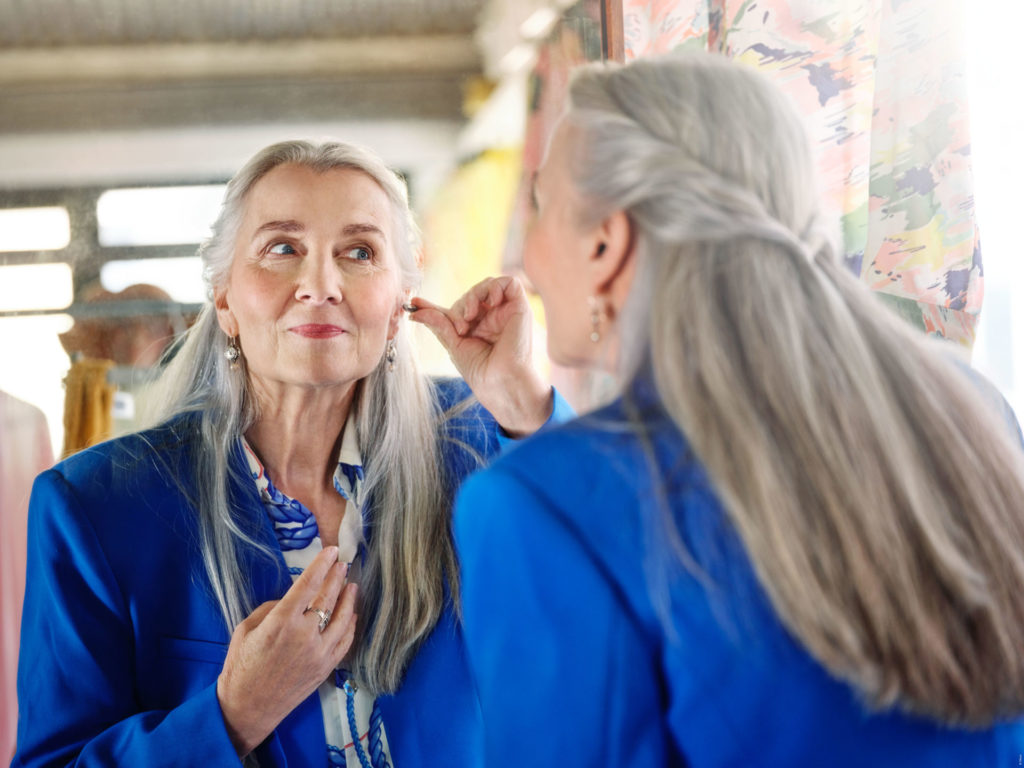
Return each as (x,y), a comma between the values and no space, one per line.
(295,525)
(348,481)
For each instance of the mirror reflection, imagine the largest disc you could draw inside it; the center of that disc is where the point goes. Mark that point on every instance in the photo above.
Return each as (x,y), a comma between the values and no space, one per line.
(114,156)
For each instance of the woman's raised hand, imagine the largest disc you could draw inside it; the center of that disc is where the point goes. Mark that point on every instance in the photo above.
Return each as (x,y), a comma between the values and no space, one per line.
(488,334)
(278,656)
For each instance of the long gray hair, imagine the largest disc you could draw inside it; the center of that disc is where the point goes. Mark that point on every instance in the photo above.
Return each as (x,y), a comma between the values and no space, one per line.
(879,501)
(411,551)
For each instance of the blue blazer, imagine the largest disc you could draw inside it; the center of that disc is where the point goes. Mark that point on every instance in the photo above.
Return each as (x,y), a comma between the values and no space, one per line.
(122,641)
(562,549)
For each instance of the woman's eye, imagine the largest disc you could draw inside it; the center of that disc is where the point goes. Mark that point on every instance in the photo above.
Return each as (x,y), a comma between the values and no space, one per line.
(359,254)
(281,249)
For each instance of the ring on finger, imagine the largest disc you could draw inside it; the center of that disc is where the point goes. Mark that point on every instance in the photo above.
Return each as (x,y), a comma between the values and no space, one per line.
(325,616)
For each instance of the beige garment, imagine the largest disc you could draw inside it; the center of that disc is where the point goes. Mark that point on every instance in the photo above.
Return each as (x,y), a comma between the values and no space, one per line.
(25,451)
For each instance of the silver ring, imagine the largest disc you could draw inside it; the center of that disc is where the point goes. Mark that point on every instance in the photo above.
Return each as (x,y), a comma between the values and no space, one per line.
(325,617)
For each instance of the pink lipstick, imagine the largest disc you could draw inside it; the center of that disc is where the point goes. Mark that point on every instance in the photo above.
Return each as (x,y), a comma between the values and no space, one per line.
(317,330)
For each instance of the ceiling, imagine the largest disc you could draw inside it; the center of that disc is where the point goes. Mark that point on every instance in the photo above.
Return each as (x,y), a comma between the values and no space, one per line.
(100,65)
(47,23)
(102,92)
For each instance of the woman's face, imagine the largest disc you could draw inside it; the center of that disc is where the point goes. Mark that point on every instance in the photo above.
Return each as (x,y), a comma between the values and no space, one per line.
(555,252)
(313,293)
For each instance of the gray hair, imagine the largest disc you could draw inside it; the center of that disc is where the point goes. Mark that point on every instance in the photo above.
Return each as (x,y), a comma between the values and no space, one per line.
(878,500)
(410,553)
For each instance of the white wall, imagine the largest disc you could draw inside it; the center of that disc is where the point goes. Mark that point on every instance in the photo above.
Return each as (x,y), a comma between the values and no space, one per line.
(997,151)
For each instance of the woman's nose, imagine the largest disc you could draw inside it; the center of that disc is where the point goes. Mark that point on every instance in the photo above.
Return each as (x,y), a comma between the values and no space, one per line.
(319,280)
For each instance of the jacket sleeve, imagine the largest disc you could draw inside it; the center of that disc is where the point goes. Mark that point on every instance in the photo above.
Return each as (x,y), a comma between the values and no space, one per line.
(77,690)
(471,437)
(562,669)
(561,412)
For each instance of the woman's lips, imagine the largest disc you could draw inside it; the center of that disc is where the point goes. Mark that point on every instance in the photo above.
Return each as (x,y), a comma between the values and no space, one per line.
(317,330)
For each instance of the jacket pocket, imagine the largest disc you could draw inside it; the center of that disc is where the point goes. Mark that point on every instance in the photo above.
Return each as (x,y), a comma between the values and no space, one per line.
(187,649)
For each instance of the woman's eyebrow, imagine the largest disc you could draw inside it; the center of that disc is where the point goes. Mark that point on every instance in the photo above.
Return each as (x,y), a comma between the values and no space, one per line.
(363,229)
(289,225)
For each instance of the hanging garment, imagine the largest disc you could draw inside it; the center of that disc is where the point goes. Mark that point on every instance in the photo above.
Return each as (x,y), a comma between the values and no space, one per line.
(88,404)
(25,451)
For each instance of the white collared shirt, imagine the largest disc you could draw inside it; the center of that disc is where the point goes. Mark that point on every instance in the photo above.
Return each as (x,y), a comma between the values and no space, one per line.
(299,539)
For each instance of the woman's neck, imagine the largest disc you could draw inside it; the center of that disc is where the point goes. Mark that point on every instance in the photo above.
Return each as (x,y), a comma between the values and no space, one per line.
(298,435)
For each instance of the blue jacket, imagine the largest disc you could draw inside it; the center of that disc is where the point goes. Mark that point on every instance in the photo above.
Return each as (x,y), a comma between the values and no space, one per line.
(122,642)
(561,549)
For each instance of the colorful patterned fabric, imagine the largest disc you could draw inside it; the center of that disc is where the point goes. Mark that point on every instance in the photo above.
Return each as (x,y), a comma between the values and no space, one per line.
(882,86)
(347,709)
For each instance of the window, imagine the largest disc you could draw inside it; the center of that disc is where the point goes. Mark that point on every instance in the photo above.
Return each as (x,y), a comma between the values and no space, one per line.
(157,215)
(27,287)
(34,229)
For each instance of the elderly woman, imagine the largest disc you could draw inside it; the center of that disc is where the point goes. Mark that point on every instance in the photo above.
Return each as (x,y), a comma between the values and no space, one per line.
(796,538)
(192,589)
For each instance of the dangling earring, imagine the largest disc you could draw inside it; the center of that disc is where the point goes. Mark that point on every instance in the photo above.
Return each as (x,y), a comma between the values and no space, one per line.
(232,353)
(595,318)
(391,354)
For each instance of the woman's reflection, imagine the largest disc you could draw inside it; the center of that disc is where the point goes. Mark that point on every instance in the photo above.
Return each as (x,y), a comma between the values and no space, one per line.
(187,597)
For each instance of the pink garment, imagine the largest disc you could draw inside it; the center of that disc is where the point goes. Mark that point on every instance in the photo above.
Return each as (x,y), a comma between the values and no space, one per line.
(25,451)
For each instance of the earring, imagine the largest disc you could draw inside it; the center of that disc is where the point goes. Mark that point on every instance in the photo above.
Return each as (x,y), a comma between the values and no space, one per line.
(595,318)
(232,353)
(391,354)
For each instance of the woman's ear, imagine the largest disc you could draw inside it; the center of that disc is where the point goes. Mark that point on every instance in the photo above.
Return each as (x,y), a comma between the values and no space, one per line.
(396,315)
(225,317)
(613,256)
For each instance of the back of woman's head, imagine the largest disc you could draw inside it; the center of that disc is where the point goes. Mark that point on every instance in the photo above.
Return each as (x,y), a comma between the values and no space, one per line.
(878,499)
(696,148)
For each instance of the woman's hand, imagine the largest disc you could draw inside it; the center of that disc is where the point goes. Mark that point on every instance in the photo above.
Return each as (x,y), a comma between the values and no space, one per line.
(488,334)
(278,656)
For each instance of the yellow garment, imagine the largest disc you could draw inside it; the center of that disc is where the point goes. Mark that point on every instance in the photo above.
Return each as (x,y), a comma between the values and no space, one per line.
(88,404)
(464,225)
